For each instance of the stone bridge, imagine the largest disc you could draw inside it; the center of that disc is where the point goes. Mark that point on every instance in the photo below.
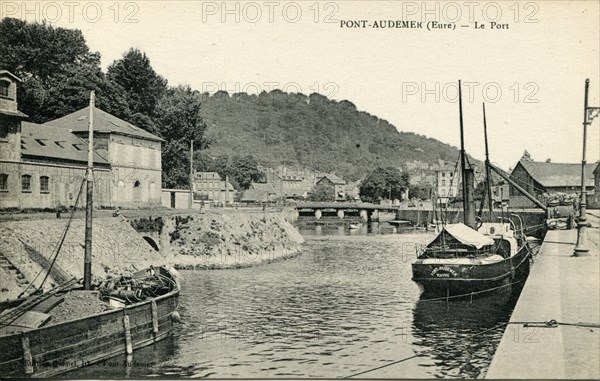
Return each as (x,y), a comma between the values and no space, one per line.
(344,210)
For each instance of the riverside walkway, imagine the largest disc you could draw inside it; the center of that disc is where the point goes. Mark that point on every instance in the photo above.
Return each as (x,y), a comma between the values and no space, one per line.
(561,288)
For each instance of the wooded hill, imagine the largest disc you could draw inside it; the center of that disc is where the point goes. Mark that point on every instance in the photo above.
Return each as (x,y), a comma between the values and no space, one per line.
(313,132)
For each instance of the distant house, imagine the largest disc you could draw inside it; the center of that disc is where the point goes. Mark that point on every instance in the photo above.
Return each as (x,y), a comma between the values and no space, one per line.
(447,182)
(543,178)
(500,193)
(352,191)
(337,185)
(288,184)
(208,186)
(259,193)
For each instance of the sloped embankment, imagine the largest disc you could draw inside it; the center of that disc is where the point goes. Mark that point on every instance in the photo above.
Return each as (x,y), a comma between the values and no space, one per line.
(28,246)
(220,241)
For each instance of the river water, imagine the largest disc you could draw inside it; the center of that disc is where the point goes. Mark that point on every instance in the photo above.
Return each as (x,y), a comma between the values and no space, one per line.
(346,305)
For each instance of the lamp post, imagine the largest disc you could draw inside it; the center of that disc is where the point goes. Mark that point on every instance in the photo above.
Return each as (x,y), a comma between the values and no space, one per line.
(589,113)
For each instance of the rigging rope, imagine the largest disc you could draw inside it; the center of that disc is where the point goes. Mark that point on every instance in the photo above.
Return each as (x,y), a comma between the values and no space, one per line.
(472,293)
(59,245)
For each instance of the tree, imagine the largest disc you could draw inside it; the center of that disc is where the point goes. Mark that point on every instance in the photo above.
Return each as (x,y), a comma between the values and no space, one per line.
(421,191)
(175,165)
(384,183)
(144,88)
(322,192)
(179,117)
(179,121)
(58,71)
(40,50)
(245,171)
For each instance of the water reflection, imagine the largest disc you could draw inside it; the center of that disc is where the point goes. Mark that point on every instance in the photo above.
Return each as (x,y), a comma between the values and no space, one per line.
(346,305)
(461,336)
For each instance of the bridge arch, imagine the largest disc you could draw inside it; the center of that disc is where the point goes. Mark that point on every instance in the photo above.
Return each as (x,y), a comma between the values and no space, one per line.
(152,242)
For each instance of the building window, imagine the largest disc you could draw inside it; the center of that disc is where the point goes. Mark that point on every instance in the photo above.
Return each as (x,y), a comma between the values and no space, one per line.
(136,184)
(4,89)
(3,131)
(26,183)
(3,182)
(443,174)
(44,184)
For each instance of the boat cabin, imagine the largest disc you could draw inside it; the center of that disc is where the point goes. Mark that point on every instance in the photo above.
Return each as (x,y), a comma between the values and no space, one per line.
(505,242)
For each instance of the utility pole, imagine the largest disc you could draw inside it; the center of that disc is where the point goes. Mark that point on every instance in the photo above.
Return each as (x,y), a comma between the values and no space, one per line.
(191,200)
(589,113)
(89,201)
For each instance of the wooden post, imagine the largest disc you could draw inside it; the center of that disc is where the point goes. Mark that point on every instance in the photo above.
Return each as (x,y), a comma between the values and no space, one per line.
(89,204)
(154,319)
(127,329)
(27,358)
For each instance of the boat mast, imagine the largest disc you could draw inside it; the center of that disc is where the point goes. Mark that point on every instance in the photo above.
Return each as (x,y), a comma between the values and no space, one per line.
(89,204)
(462,157)
(488,177)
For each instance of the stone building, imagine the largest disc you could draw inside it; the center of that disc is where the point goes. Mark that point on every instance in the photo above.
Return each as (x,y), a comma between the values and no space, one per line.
(43,165)
(541,179)
(447,182)
(134,155)
(334,184)
(208,186)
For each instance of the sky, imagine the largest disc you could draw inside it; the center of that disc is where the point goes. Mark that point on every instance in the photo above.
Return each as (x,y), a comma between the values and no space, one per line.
(529,67)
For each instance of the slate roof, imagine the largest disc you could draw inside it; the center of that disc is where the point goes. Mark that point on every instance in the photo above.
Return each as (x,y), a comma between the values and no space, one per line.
(267,187)
(558,174)
(103,122)
(47,142)
(333,178)
(255,195)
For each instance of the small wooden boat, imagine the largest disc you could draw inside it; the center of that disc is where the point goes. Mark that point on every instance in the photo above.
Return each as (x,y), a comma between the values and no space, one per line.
(79,323)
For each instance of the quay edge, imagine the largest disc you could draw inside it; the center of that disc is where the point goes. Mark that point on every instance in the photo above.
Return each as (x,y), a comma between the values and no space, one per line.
(563,288)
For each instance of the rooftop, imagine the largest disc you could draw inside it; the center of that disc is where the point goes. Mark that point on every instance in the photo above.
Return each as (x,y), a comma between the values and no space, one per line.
(558,174)
(103,122)
(44,141)
(333,178)
(267,187)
